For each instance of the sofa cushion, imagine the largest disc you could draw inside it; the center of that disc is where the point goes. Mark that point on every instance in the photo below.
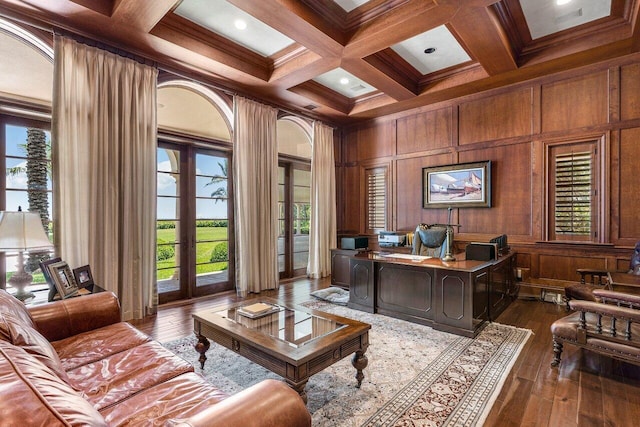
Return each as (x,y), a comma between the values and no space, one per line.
(9,305)
(32,394)
(33,342)
(89,347)
(121,375)
(179,397)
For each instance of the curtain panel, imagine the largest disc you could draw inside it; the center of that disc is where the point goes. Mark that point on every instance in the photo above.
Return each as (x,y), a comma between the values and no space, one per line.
(104,155)
(255,165)
(323,228)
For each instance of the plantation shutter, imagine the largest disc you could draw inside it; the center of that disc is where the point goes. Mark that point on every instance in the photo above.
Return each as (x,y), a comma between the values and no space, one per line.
(376,210)
(574,192)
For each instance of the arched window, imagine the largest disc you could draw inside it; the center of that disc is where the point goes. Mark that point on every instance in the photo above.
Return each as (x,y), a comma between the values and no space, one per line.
(25,138)
(194,205)
(294,195)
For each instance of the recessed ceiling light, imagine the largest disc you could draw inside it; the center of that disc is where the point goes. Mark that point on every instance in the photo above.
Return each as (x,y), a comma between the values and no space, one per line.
(240,24)
(562,2)
(344,81)
(429,50)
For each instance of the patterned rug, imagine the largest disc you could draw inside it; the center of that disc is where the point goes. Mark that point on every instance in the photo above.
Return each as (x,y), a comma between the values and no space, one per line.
(416,376)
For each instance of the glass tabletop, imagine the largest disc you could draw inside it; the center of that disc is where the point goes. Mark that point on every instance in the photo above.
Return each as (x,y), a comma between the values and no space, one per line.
(293,327)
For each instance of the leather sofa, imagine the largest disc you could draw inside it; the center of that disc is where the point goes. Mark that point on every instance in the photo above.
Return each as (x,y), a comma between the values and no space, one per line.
(610,327)
(73,362)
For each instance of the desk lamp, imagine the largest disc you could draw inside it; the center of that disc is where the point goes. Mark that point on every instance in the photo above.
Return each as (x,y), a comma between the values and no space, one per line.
(22,232)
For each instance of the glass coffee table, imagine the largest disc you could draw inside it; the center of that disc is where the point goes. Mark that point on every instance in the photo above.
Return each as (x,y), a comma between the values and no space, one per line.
(294,342)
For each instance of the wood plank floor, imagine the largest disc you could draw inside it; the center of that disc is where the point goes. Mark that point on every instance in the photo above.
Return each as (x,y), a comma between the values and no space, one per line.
(586,390)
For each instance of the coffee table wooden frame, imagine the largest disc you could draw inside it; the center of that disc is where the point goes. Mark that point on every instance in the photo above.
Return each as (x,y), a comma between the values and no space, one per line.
(295,365)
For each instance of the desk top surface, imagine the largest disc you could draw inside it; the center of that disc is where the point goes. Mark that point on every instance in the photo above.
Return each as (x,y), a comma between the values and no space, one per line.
(460,264)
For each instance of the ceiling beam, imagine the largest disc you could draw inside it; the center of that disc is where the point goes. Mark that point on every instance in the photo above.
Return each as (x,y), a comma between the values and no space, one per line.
(143,15)
(296,21)
(412,18)
(479,31)
(302,68)
(376,78)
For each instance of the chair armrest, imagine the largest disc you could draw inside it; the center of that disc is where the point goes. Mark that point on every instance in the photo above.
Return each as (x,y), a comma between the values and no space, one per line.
(618,297)
(621,313)
(61,319)
(269,403)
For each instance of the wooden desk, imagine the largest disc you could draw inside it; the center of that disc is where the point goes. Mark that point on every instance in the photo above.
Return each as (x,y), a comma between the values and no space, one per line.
(624,282)
(457,297)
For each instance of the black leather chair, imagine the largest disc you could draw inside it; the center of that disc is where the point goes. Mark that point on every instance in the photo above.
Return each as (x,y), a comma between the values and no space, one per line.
(591,280)
(430,240)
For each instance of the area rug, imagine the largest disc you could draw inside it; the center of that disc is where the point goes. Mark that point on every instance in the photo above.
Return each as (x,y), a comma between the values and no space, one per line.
(416,376)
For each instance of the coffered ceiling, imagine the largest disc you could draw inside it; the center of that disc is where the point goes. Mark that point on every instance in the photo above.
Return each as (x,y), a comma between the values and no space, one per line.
(342,60)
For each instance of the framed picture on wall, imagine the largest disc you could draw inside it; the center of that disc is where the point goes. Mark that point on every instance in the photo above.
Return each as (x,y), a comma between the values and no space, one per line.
(457,186)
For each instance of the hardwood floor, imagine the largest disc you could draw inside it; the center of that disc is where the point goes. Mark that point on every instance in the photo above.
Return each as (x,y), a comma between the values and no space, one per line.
(585,390)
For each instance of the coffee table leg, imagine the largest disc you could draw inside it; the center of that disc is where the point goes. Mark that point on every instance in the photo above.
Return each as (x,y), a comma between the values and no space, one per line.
(201,347)
(359,362)
(299,387)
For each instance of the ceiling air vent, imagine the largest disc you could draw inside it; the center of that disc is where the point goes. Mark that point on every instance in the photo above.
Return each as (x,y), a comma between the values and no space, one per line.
(357,88)
(310,107)
(569,16)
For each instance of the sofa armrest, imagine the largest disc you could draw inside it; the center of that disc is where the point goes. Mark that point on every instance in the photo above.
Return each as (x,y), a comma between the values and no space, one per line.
(61,319)
(269,403)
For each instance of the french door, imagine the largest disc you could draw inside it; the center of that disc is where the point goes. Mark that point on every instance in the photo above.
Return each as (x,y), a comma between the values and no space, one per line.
(194,222)
(294,210)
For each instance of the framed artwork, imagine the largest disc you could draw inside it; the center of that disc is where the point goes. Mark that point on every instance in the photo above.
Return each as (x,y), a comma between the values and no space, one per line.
(457,186)
(63,278)
(83,276)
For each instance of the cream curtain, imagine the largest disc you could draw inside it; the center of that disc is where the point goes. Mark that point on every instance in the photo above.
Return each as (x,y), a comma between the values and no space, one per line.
(255,170)
(104,154)
(322,233)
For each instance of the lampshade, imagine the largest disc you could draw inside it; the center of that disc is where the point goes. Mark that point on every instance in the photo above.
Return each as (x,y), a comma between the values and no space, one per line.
(22,231)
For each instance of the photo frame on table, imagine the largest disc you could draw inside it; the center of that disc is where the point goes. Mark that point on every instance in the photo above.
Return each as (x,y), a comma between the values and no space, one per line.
(63,278)
(44,267)
(457,186)
(83,276)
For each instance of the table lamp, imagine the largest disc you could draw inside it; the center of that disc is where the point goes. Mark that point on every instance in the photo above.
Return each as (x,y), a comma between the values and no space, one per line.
(22,232)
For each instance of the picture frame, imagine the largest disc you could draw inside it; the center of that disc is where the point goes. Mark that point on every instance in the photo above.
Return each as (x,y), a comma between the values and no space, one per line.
(464,185)
(83,276)
(63,278)
(44,268)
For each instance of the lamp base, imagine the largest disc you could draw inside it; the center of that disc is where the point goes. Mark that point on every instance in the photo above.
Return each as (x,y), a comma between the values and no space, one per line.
(20,280)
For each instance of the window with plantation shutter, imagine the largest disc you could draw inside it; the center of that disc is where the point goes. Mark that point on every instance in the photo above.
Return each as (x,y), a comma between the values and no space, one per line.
(573,192)
(376,203)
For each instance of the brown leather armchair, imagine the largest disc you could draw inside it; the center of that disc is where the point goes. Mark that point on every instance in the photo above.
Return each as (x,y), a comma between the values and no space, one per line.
(610,327)
(590,280)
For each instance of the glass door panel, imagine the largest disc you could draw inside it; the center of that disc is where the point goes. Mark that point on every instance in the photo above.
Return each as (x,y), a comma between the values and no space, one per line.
(193,218)
(168,225)
(301,215)
(294,208)
(212,220)
(282,227)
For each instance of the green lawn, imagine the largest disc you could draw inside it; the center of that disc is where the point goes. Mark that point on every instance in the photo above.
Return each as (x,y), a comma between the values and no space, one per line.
(213,235)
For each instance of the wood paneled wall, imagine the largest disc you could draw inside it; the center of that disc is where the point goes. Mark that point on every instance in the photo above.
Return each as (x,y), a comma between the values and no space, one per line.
(511,127)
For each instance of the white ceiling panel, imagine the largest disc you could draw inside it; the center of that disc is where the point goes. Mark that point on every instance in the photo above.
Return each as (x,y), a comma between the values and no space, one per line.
(222,18)
(448,51)
(546,17)
(344,83)
(349,5)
